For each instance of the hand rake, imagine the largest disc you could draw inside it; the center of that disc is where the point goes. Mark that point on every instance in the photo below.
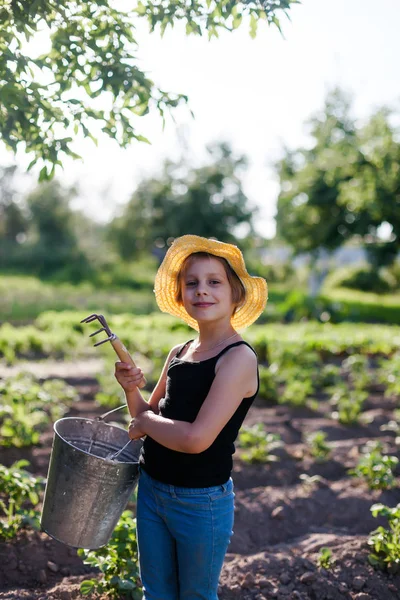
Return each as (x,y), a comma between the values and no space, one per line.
(116,343)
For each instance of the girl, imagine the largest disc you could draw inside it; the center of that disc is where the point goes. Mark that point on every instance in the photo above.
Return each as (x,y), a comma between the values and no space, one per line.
(185,496)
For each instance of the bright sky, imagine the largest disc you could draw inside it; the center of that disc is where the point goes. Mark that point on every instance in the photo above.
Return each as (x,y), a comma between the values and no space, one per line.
(256,94)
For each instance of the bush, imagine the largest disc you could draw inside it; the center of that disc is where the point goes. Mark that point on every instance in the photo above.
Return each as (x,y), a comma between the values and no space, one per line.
(367,280)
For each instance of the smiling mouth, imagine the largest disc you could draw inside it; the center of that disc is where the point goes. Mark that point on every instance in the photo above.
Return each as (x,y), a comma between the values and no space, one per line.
(203,304)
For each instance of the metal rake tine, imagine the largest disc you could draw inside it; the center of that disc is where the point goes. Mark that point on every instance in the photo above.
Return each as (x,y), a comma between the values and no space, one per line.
(90,318)
(98,331)
(103,341)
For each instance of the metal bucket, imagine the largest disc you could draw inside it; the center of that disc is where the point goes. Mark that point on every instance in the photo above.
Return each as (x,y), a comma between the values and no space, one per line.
(86,492)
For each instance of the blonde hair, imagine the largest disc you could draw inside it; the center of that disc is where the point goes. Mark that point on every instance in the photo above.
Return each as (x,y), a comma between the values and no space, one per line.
(237,287)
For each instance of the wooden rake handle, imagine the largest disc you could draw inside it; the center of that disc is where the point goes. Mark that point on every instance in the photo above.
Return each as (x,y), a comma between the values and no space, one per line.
(124,356)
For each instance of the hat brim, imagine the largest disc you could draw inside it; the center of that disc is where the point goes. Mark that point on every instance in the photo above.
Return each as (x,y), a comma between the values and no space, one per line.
(165,285)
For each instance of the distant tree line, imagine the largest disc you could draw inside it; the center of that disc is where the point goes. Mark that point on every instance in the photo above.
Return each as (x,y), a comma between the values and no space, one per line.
(344,186)
(42,234)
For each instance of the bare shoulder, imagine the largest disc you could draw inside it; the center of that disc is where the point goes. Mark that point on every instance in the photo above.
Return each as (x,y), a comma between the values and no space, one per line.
(239,365)
(239,355)
(174,351)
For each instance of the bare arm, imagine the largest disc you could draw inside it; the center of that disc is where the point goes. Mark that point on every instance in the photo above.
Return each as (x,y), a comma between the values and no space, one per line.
(234,380)
(129,378)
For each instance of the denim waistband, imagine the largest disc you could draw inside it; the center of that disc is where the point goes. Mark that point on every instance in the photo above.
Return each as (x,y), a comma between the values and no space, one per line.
(166,487)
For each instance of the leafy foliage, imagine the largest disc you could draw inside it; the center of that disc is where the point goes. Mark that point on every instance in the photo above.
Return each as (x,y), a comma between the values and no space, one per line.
(325,559)
(389,375)
(207,201)
(258,444)
(349,405)
(375,468)
(318,446)
(27,407)
(18,490)
(118,563)
(268,384)
(345,185)
(385,543)
(49,99)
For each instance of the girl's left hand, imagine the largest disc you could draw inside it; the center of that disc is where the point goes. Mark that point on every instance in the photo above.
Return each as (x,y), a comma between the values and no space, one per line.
(135,431)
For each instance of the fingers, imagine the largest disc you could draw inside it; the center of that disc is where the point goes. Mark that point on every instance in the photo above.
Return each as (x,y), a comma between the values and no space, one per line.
(121,367)
(127,375)
(134,431)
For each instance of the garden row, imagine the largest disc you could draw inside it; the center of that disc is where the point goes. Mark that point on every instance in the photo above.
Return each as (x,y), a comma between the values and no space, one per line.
(327,370)
(25,298)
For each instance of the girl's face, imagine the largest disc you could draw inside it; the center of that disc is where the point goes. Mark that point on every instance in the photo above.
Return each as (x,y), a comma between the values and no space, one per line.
(206,291)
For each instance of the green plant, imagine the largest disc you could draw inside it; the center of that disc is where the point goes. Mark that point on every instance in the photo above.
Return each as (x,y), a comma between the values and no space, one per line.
(296,393)
(18,489)
(309,481)
(356,366)
(386,542)
(318,447)
(327,376)
(389,375)
(268,385)
(325,559)
(349,405)
(375,468)
(259,444)
(27,406)
(393,425)
(118,563)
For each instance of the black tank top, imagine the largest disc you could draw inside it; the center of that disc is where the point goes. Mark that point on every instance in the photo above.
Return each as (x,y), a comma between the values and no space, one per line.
(188,384)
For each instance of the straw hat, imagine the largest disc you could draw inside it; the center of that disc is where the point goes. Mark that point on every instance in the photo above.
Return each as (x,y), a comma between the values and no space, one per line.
(165,285)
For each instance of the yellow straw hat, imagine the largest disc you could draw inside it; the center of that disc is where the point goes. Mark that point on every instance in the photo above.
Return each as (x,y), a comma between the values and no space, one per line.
(165,286)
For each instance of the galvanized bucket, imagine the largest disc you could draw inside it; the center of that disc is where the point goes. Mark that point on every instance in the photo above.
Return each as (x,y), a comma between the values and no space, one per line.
(86,492)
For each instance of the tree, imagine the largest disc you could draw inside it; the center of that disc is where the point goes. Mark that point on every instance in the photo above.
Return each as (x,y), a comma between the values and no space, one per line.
(47,100)
(346,185)
(13,221)
(53,245)
(207,201)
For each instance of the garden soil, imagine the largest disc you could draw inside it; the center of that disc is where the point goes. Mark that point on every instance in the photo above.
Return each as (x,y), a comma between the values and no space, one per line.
(286,511)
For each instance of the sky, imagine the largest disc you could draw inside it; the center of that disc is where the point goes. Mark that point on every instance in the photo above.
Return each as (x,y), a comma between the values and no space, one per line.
(255,94)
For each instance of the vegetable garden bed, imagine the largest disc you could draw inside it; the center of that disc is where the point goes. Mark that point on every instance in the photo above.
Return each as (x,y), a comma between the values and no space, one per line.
(318,449)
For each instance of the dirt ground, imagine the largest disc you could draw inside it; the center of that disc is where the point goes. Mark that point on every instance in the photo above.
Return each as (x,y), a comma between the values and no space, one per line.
(281,521)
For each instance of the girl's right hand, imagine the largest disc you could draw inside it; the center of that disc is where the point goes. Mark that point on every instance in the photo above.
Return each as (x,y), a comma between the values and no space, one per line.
(127,376)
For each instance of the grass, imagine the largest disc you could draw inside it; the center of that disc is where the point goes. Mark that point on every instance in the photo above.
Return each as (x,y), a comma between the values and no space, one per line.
(24,298)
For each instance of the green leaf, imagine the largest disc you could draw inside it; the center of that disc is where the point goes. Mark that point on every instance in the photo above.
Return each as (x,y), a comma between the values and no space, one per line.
(88,586)
(253,26)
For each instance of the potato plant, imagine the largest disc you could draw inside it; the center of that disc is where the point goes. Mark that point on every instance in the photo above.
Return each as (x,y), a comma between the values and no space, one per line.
(389,375)
(297,392)
(375,468)
(268,385)
(317,446)
(394,425)
(348,405)
(19,495)
(258,444)
(28,406)
(356,367)
(385,543)
(328,375)
(118,563)
(325,558)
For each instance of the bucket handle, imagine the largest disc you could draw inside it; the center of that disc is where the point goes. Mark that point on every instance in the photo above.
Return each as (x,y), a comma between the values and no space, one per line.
(103,416)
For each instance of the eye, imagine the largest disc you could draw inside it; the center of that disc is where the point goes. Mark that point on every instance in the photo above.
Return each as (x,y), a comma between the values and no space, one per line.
(190,283)
(214,281)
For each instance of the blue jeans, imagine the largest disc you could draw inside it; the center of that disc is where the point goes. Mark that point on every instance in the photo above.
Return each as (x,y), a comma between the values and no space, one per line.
(183,534)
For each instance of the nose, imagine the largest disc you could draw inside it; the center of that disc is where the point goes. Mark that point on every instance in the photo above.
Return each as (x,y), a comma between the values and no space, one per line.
(201,289)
